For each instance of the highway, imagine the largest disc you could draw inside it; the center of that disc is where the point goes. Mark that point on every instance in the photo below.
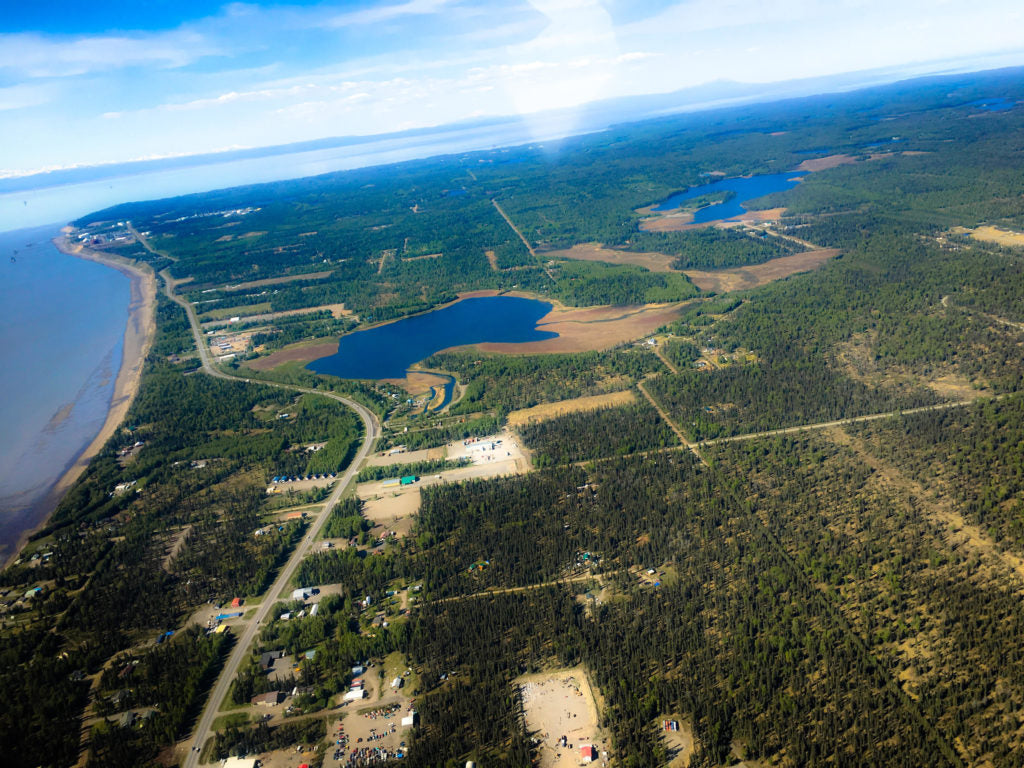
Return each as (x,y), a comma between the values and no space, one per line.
(252,625)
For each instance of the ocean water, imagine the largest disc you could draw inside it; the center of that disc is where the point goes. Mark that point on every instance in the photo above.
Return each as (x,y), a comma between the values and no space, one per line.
(62,323)
(387,351)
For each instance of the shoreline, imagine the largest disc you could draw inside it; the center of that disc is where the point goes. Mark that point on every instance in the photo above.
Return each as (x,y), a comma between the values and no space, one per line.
(140,328)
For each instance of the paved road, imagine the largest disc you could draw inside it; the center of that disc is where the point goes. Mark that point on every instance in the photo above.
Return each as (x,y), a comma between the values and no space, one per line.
(251,626)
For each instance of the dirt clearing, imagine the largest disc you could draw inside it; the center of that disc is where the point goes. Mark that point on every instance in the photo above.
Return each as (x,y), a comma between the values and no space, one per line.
(336,310)
(990,234)
(677,733)
(576,405)
(277,280)
(681,222)
(652,260)
(591,328)
(303,353)
(823,163)
(562,712)
(743,278)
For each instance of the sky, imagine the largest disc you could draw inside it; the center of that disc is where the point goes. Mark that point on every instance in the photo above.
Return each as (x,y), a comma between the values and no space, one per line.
(99,82)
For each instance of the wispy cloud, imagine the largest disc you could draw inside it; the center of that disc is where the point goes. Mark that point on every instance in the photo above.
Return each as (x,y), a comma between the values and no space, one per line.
(34,56)
(383,13)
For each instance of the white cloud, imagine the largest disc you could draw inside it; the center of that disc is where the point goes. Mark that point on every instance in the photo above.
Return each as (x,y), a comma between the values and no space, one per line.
(35,56)
(384,13)
(23,96)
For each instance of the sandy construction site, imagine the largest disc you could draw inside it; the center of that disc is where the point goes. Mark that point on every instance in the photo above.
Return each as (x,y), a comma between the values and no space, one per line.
(394,506)
(562,712)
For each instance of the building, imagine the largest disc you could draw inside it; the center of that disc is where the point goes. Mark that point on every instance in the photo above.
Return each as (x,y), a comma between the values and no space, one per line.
(397,683)
(300,594)
(411,719)
(588,753)
(355,694)
(268,699)
(236,603)
(240,762)
(267,659)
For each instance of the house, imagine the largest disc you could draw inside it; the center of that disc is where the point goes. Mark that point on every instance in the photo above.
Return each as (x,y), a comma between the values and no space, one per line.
(267,659)
(128,719)
(268,699)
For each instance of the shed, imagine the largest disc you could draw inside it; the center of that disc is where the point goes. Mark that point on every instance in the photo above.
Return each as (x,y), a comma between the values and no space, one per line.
(409,479)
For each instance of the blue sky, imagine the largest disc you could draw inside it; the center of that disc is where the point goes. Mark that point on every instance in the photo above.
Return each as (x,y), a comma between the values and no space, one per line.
(85,83)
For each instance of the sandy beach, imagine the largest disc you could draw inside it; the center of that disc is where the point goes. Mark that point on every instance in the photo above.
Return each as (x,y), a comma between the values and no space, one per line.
(138,337)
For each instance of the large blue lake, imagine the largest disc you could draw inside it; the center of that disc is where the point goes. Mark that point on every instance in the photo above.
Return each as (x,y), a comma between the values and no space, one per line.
(745,189)
(387,351)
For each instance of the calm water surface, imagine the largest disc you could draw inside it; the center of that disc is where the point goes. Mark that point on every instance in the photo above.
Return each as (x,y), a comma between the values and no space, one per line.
(387,351)
(745,189)
(62,324)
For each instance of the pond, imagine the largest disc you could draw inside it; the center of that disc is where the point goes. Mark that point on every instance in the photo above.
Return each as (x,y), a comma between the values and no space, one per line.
(387,351)
(744,189)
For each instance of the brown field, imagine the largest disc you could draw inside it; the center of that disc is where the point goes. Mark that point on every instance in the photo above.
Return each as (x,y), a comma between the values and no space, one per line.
(999,236)
(823,163)
(492,259)
(337,310)
(562,703)
(552,410)
(277,280)
(302,354)
(654,261)
(591,328)
(743,278)
(675,222)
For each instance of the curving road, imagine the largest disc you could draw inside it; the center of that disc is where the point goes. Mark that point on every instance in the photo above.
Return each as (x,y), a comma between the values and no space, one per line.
(252,625)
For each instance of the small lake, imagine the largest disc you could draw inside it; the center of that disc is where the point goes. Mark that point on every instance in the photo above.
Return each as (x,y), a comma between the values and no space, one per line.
(745,189)
(387,351)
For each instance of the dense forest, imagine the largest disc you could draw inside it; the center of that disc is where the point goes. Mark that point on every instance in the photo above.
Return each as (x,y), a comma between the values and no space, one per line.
(847,596)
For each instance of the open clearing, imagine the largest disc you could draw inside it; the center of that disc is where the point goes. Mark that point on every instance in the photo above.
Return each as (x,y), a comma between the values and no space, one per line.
(336,310)
(681,222)
(823,163)
(576,405)
(680,744)
(591,328)
(652,260)
(990,234)
(742,278)
(562,703)
(405,457)
(394,507)
(303,352)
(277,280)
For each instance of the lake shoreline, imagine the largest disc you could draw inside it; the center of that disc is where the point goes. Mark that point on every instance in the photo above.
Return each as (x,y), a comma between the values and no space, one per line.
(140,329)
